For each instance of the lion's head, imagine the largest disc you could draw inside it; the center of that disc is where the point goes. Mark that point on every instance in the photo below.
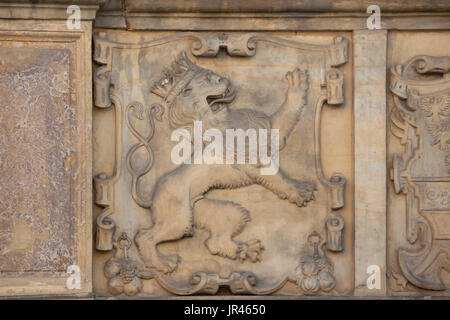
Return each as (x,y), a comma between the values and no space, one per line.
(192,93)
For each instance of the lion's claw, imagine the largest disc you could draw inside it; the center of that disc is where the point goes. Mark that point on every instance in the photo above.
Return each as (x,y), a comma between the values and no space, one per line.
(166,264)
(251,250)
(298,84)
(304,193)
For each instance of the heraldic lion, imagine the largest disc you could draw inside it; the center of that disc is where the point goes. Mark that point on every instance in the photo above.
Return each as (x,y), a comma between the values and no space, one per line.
(179,201)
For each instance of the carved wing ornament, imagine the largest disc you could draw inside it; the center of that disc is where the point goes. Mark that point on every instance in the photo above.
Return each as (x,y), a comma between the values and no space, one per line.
(178,81)
(420,119)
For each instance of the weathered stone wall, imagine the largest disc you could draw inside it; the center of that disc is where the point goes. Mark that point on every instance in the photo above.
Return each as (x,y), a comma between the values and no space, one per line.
(359,205)
(46,162)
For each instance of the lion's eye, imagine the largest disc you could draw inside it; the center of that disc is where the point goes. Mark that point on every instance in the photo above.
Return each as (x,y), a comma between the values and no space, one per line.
(187,91)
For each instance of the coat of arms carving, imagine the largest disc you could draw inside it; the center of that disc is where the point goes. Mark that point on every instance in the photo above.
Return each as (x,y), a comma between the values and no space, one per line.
(420,118)
(203,213)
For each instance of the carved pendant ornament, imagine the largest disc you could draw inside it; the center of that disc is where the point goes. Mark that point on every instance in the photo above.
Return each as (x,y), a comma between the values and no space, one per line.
(421,120)
(123,273)
(205,215)
(315,271)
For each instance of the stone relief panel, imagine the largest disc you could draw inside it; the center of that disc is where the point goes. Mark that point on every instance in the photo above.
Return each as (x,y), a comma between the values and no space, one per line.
(33,163)
(419,144)
(207,224)
(45,164)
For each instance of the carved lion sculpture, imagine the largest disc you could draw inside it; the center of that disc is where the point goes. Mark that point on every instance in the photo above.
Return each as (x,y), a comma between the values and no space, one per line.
(179,201)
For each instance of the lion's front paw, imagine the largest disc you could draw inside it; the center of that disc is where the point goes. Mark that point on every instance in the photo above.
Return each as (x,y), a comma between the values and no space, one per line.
(251,250)
(304,193)
(166,264)
(298,85)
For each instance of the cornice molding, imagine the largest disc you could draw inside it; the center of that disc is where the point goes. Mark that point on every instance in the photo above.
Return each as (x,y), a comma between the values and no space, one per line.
(239,6)
(47,9)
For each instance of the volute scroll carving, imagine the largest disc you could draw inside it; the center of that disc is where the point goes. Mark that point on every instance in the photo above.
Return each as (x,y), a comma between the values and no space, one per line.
(104,186)
(334,95)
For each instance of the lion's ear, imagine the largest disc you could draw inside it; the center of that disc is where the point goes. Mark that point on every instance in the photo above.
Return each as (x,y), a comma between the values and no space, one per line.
(187,91)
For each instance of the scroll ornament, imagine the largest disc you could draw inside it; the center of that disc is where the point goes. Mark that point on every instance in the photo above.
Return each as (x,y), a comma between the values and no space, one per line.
(332,96)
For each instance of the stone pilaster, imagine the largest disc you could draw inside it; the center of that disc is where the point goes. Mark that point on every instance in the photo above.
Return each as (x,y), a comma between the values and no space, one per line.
(370,157)
(45,157)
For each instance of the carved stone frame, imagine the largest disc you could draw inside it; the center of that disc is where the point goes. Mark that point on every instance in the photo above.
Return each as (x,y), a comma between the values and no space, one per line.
(54,283)
(422,261)
(208,45)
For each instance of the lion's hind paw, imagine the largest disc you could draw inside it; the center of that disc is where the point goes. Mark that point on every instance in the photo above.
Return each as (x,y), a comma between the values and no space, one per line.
(166,264)
(251,250)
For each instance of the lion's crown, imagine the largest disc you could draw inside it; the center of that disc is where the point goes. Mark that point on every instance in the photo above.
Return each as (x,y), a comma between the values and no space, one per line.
(176,79)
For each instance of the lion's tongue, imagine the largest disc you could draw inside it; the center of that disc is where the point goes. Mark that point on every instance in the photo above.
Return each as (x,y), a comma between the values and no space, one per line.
(215,107)
(226,99)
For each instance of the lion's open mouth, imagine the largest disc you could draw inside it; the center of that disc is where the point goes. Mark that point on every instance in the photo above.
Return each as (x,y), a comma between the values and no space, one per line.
(216,102)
